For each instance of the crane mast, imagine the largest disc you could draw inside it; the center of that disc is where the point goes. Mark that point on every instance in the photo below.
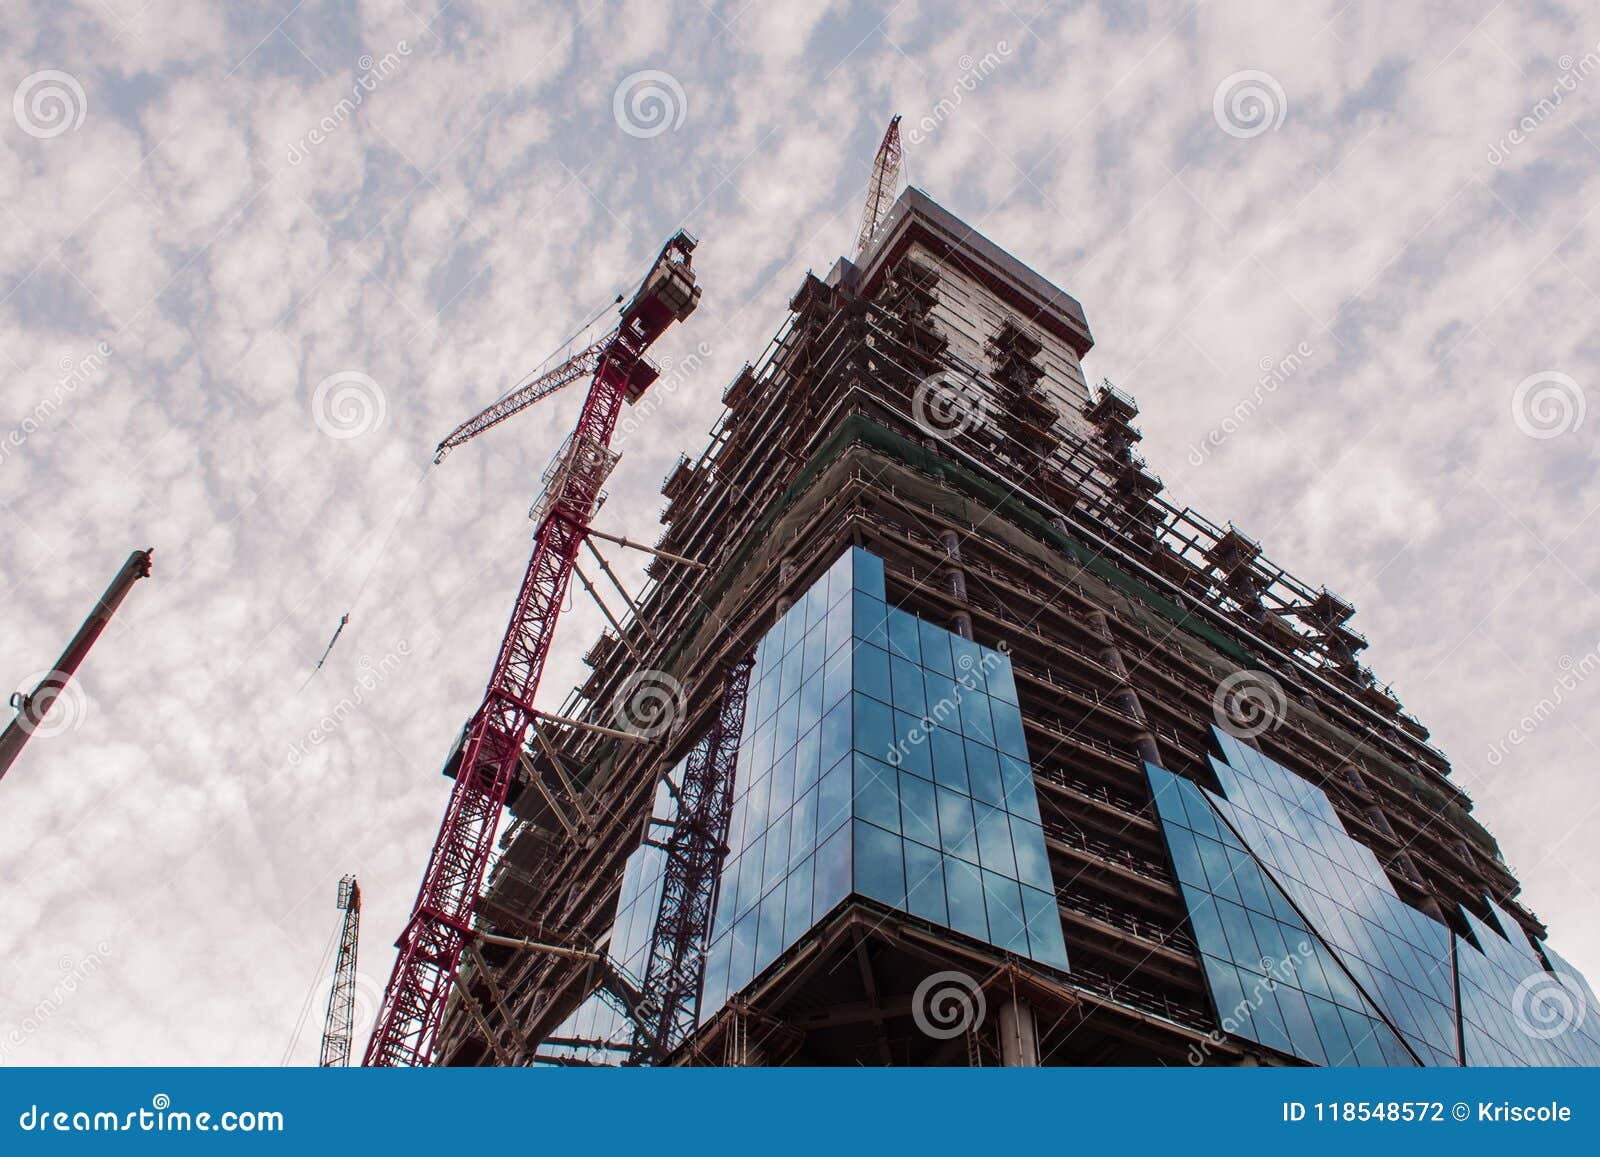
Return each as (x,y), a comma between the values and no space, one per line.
(695,852)
(35,705)
(339,1026)
(431,945)
(882,186)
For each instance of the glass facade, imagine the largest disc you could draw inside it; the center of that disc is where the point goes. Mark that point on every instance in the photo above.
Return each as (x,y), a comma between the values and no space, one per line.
(1270,857)
(1272,979)
(1399,956)
(882,756)
(1513,1012)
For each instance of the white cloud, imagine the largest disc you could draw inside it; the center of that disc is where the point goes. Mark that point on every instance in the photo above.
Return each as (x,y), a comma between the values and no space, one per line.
(229,281)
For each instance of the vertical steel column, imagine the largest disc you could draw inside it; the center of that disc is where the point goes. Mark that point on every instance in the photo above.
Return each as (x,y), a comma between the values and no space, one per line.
(955,581)
(1019,1034)
(1124,696)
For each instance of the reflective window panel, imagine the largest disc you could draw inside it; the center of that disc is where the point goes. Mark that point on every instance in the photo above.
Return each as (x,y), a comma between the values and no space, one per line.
(1515,1011)
(1272,980)
(882,756)
(1269,856)
(1399,956)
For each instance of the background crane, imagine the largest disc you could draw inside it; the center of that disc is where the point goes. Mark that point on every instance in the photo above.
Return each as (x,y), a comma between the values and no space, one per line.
(441,923)
(339,1026)
(882,186)
(33,706)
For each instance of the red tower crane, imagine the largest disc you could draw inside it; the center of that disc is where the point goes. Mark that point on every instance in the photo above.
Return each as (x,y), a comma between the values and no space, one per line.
(442,920)
(339,1026)
(881,186)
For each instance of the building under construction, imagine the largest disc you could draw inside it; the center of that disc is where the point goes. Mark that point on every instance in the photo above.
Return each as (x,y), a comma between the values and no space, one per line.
(963,746)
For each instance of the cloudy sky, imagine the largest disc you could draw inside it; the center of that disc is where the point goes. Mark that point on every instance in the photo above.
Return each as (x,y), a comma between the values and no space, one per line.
(254,263)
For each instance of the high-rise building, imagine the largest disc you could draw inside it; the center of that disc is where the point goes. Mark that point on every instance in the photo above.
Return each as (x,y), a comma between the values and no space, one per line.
(964,746)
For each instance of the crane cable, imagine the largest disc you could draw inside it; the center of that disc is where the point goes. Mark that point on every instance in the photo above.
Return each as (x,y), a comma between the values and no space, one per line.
(311,996)
(558,351)
(371,570)
(344,619)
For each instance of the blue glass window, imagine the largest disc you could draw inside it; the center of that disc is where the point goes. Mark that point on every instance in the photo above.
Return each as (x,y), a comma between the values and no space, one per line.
(877,793)
(879,869)
(934,813)
(949,759)
(903,636)
(1357,975)
(919,813)
(872,672)
(957,834)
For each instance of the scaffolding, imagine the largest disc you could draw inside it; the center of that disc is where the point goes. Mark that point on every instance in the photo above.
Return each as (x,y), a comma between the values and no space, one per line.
(1121,611)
